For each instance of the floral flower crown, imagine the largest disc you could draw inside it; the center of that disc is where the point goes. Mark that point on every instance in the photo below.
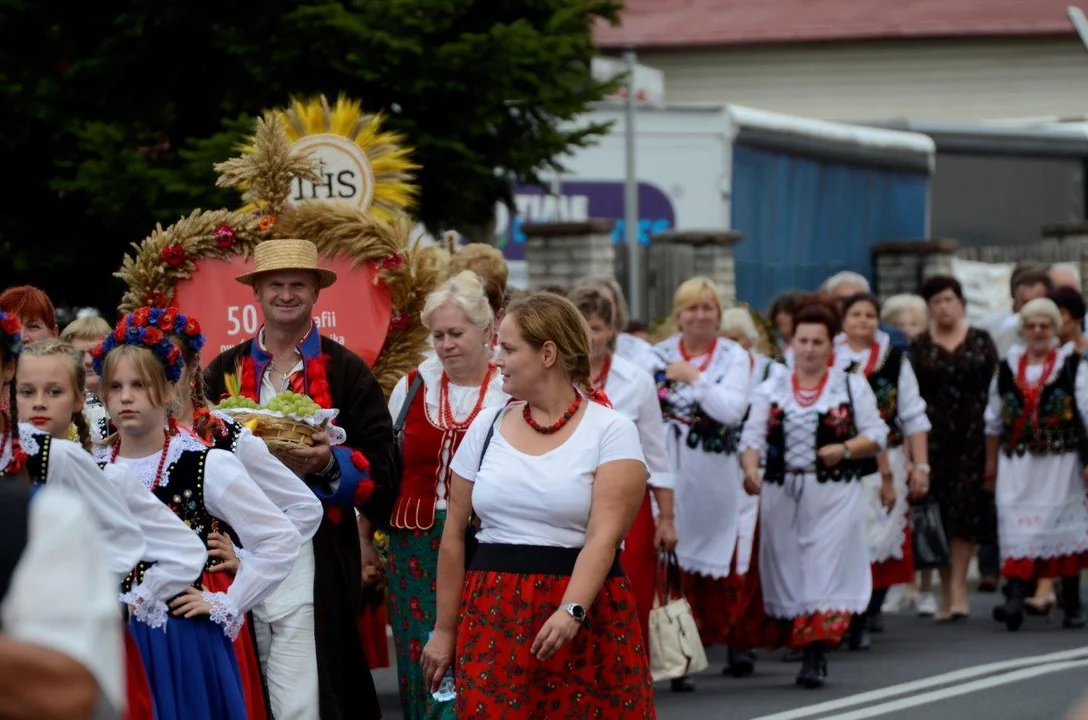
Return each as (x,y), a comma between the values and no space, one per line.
(148,327)
(11,334)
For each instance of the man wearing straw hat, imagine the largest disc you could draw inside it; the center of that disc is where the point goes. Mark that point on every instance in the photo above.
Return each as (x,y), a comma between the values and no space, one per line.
(326,585)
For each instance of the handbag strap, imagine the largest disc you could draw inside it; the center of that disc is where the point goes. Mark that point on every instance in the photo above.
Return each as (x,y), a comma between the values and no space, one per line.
(669,582)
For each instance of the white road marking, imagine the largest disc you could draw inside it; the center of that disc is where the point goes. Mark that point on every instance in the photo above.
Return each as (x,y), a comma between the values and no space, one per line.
(977,685)
(927,683)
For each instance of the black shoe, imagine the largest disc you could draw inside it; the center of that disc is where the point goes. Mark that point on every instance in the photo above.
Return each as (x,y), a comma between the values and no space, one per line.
(1012,612)
(683,685)
(1071,605)
(987,584)
(814,670)
(742,663)
(876,622)
(858,634)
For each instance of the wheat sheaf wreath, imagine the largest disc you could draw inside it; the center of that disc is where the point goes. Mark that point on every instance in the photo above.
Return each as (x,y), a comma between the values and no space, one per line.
(265,172)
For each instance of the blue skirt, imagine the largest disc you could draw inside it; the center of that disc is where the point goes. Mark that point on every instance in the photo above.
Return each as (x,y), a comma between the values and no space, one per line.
(191,669)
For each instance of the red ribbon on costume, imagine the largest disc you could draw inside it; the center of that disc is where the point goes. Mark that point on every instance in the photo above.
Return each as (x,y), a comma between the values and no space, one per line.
(1031,392)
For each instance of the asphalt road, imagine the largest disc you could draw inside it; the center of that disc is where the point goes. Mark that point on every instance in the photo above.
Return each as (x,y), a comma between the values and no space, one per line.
(917,670)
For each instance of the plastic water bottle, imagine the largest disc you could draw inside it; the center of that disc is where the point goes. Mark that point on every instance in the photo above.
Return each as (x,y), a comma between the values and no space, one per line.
(446,691)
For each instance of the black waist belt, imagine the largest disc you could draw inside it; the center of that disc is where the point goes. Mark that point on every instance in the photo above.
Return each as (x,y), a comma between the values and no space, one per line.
(531,560)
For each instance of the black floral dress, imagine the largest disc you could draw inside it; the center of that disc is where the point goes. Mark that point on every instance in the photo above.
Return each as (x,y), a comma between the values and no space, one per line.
(955,387)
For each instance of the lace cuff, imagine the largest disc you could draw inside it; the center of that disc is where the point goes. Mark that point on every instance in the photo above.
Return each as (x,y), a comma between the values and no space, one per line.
(240,553)
(145,608)
(225,613)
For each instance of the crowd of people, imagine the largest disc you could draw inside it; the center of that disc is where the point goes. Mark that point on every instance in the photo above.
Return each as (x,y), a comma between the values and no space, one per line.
(529,477)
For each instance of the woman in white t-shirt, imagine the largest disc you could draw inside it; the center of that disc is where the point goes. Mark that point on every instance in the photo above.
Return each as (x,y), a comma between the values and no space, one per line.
(555,480)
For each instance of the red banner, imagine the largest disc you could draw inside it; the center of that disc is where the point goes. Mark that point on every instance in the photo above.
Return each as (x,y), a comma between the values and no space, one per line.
(355,311)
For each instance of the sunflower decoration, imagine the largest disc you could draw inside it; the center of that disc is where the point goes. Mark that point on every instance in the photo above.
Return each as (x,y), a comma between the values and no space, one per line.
(293,158)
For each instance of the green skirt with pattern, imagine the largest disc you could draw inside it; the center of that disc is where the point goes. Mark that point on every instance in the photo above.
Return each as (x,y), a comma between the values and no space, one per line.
(411,591)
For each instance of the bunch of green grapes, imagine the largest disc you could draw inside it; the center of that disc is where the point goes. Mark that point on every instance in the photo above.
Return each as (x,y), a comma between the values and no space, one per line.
(239,402)
(290,403)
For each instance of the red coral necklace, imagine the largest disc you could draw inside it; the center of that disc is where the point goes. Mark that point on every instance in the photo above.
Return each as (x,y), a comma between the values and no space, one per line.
(445,409)
(807,398)
(558,424)
(606,367)
(162,458)
(707,356)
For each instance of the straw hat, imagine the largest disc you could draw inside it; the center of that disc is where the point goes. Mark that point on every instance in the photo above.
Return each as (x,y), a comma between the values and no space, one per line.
(284,254)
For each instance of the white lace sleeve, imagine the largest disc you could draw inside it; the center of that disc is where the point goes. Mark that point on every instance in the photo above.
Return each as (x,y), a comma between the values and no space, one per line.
(911,407)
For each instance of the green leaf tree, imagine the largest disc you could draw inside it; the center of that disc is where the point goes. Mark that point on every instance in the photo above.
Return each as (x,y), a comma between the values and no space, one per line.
(115,111)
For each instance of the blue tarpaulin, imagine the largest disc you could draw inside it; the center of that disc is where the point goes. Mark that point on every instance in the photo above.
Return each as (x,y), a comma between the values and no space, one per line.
(804,218)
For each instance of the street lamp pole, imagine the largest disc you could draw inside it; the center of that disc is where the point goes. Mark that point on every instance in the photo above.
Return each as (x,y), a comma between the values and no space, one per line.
(630,195)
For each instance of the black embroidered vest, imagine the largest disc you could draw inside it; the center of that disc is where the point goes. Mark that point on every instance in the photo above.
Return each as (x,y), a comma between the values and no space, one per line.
(835,426)
(37,464)
(884,381)
(1056,428)
(184,495)
(227,441)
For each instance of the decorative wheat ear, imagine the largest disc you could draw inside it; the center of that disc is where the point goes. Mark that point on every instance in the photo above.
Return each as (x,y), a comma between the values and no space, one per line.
(267,167)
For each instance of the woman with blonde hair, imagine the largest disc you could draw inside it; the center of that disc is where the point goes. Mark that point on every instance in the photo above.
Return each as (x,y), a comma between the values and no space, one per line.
(543,623)
(907,312)
(1035,445)
(703,385)
(433,406)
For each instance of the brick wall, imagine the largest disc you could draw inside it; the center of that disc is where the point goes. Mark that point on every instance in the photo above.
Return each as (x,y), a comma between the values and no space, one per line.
(561,253)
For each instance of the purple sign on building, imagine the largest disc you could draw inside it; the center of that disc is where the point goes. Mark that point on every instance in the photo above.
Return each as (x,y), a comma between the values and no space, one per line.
(580,201)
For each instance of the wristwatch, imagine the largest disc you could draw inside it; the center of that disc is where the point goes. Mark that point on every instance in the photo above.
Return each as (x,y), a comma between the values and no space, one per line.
(846,454)
(922,468)
(576,611)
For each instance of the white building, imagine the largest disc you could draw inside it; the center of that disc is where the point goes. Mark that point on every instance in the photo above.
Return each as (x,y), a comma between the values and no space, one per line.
(946,60)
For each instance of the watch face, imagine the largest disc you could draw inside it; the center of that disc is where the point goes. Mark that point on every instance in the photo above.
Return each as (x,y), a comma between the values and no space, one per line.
(578,612)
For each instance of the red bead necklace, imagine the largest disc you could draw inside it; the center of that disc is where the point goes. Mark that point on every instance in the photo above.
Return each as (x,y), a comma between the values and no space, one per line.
(162,458)
(1031,390)
(445,410)
(606,367)
(808,398)
(707,356)
(558,424)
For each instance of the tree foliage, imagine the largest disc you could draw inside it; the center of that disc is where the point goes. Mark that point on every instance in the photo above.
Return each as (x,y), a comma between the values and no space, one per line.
(114,112)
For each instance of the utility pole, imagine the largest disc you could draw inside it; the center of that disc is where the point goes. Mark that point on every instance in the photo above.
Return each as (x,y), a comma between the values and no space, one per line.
(630,196)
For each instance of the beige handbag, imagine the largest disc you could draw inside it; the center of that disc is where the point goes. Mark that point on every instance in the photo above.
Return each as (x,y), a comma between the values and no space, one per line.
(675,647)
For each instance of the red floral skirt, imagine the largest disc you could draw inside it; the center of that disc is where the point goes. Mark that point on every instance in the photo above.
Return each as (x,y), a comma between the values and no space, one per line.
(639,560)
(602,673)
(1044,568)
(249,665)
(372,629)
(896,572)
(139,704)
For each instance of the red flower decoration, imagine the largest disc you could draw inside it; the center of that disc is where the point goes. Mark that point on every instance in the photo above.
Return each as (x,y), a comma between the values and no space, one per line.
(392,262)
(333,513)
(152,336)
(359,461)
(155,298)
(266,222)
(174,353)
(166,321)
(400,322)
(363,492)
(10,325)
(224,236)
(192,327)
(141,316)
(173,255)
(120,331)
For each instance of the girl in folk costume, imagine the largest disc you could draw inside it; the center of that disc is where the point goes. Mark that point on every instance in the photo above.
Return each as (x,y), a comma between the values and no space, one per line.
(702,382)
(548,624)
(26,451)
(27,455)
(1035,447)
(434,405)
(50,388)
(630,390)
(864,350)
(286,491)
(84,334)
(190,660)
(812,426)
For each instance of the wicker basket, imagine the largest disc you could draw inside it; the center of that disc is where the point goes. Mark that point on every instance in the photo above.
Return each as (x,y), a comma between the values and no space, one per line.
(278,433)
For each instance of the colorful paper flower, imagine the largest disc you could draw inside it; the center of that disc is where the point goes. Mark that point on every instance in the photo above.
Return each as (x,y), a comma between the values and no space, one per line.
(155,298)
(173,255)
(224,236)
